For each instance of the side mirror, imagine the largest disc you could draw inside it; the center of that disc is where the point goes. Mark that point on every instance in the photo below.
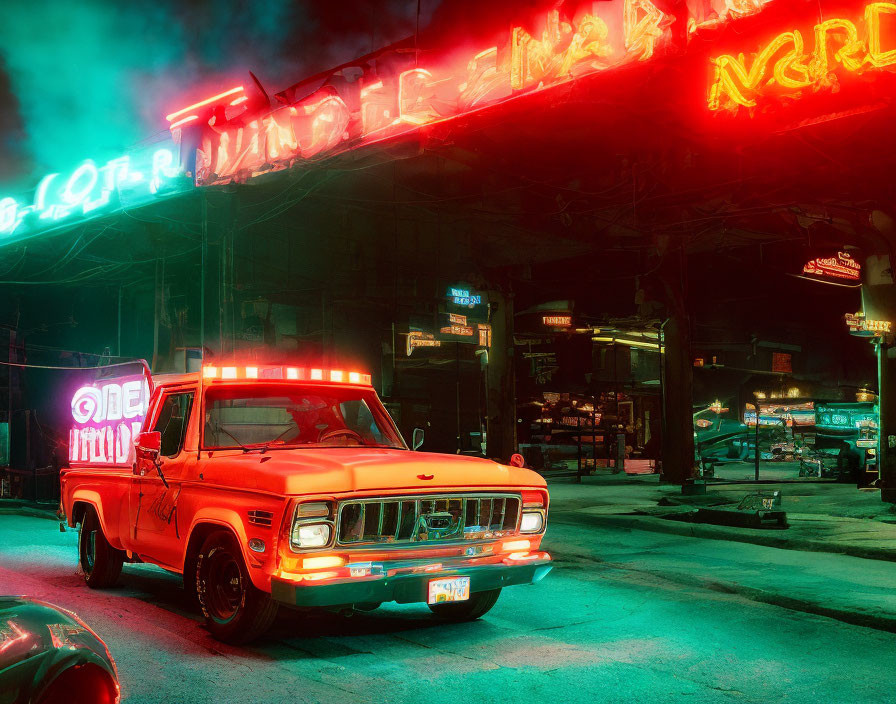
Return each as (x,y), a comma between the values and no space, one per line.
(417,439)
(149,445)
(517,460)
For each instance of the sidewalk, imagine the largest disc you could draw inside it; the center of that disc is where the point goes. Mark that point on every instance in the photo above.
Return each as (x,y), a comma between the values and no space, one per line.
(822,517)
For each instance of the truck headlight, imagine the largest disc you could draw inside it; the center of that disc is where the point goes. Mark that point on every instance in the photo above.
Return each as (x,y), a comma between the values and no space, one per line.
(312,526)
(532,522)
(310,535)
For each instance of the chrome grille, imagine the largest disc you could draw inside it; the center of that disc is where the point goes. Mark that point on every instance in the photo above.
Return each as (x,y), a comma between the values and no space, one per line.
(413,519)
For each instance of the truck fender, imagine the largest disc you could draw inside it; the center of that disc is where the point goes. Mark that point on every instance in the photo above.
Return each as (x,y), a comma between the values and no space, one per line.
(231,520)
(94,499)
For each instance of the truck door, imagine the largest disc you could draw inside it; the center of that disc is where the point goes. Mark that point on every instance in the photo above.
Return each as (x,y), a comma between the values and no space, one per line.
(156,533)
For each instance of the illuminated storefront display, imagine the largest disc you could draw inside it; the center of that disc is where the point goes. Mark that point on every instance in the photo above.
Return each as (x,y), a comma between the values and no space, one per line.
(841,267)
(781,415)
(786,66)
(94,189)
(107,418)
(236,135)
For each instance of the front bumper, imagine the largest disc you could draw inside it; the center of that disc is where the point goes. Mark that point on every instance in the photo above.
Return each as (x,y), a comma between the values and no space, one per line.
(408,583)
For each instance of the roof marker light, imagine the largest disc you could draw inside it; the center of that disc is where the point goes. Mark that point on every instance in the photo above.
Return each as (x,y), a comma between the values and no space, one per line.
(354,378)
(292,373)
(251,372)
(228,373)
(337,375)
(209,372)
(317,374)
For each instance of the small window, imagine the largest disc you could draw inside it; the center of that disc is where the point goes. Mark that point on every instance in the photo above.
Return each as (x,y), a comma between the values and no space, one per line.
(172,422)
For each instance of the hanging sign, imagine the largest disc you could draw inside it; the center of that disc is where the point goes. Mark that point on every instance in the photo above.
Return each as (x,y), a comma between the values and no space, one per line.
(840,267)
(457,319)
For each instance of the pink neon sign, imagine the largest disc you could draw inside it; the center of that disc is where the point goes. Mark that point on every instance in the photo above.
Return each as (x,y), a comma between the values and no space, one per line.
(107,418)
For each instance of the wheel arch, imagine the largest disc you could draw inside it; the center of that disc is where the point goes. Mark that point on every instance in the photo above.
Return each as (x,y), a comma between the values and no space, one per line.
(204,524)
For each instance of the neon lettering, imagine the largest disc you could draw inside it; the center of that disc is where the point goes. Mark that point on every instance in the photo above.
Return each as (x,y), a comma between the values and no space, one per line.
(89,188)
(107,419)
(837,47)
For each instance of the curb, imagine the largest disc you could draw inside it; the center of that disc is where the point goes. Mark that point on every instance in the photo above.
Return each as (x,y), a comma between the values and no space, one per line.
(765,537)
(28,511)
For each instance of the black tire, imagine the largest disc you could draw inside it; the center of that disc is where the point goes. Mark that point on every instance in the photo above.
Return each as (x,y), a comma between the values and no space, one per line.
(479,604)
(235,610)
(100,562)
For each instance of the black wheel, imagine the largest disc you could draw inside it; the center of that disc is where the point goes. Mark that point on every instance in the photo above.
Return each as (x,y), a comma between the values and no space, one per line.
(235,611)
(476,606)
(100,562)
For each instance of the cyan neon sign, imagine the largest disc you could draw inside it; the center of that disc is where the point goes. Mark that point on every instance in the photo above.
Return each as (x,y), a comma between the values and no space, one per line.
(93,189)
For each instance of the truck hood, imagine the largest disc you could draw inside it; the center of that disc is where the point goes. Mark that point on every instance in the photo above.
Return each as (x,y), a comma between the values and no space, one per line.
(357,469)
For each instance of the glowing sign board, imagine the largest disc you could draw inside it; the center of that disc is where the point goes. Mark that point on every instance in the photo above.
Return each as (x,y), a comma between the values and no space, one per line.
(842,266)
(860,325)
(416,338)
(557,321)
(107,418)
(457,319)
(237,135)
(460,330)
(463,297)
(93,189)
(786,67)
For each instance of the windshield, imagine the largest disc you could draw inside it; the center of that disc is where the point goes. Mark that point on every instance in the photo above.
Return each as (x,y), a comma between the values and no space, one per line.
(292,415)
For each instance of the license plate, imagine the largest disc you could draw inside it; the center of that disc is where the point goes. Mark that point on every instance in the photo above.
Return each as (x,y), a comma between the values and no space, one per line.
(449,589)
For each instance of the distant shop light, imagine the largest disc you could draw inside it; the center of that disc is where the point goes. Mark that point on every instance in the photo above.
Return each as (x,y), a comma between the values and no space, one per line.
(630,343)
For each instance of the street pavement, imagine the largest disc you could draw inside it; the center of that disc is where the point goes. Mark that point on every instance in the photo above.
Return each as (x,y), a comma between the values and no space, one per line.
(626,616)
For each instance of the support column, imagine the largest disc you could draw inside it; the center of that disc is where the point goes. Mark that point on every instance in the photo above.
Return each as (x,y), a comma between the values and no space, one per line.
(678,419)
(677,369)
(886,449)
(879,303)
(500,381)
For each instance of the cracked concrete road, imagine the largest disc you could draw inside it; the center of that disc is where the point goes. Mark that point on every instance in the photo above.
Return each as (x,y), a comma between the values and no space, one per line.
(594,630)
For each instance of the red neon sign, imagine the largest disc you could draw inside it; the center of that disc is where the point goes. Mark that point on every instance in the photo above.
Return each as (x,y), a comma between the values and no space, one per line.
(557,321)
(376,99)
(785,66)
(842,266)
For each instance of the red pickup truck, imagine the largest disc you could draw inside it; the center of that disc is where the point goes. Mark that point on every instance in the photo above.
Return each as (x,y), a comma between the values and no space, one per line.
(269,485)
